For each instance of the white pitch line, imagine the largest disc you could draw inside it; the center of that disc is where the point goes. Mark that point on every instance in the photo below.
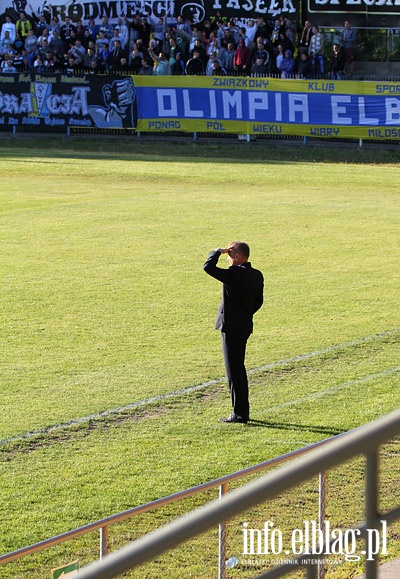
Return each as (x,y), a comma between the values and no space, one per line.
(335,389)
(189,389)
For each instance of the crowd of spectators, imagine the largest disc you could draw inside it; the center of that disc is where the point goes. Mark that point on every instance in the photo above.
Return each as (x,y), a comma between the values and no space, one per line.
(145,46)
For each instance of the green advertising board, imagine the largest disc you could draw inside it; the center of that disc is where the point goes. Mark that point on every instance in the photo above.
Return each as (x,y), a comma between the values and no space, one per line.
(65,571)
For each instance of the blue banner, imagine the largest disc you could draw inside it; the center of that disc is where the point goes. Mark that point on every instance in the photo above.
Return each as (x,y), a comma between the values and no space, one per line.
(269,106)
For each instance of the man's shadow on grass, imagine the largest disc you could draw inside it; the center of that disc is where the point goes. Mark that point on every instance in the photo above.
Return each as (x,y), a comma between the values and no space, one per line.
(328,430)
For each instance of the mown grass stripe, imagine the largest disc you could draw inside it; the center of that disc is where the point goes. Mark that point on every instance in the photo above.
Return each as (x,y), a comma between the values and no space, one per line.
(189,389)
(321,393)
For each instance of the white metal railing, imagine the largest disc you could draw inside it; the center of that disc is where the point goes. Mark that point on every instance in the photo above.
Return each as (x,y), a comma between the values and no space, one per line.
(363,440)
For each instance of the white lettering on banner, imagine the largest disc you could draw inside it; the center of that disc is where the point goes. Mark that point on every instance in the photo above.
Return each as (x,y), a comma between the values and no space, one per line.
(113,9)
(69,104)
(363,118)
(213,104)
(392,111)
(288,6)
(342,110)
(278,106)
(298,103)
(9,103)
(233,4)
(274,8)
(162,101)
(95,10)
(337,110)
(247,6)
(186,106)
(260,7)
(258,101)
(234,101)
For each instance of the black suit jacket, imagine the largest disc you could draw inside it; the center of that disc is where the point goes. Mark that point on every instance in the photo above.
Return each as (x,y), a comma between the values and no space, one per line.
(242,295)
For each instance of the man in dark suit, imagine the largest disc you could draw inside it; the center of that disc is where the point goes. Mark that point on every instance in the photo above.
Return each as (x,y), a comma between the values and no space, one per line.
(242,296)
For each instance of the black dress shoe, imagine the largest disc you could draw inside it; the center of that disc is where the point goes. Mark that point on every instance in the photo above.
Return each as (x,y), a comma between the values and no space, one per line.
(234,418)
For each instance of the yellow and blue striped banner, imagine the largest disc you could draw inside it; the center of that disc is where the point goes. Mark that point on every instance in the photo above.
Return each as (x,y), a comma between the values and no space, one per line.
(263,106)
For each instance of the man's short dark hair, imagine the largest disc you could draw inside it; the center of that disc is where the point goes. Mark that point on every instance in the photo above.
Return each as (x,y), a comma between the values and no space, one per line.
(242,248)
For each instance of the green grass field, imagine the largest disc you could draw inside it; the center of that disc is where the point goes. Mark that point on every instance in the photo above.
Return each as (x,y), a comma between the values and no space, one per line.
(105,304)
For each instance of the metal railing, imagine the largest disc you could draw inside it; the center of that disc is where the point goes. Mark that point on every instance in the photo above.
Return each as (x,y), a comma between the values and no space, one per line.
(103,525)
(364,440)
